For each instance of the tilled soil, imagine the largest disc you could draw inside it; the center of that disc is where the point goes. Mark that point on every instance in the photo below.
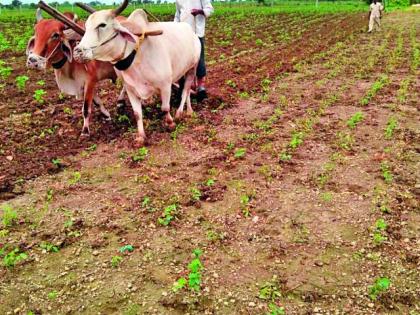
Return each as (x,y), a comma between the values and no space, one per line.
(291,204)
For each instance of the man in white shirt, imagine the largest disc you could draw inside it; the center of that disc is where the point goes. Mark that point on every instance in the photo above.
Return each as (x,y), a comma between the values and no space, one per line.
(375,13)
(195,12)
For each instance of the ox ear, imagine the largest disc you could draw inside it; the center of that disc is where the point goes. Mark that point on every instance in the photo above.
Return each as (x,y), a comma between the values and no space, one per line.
(30,46)
(125,33)
(67,50)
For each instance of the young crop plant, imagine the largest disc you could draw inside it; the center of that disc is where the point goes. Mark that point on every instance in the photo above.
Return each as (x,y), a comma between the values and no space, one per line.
(345,140)
(379,232)
(168,215)
(355,120)
(386,172)
(274,309)
(13,257)
(195,194)
(239,153)
(140,154)
(297,140)
(195,268)
(75,178)
(5,72)
(380,286)
(116,261)
(48,247)
(391,125)
(374,89)
(9,215)
(21,82)
(39,96)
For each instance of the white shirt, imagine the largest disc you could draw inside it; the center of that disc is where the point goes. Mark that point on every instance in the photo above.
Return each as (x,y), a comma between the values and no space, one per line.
(198,23)
(375,9)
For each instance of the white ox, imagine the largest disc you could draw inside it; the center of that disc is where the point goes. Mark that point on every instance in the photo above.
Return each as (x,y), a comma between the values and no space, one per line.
(158,62)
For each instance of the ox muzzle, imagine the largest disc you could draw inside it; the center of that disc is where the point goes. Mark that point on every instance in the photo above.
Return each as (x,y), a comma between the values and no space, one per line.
(82,55)
(36,62)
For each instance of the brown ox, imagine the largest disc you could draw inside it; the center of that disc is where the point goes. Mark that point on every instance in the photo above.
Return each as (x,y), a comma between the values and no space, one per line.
(53,45)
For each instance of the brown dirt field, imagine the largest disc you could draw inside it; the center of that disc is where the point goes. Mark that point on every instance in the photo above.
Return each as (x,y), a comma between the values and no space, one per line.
(276,188)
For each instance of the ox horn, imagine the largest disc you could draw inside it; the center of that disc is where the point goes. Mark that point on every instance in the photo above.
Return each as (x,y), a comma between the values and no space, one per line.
(85,7)
(121,8)
(38,15)
(61,17)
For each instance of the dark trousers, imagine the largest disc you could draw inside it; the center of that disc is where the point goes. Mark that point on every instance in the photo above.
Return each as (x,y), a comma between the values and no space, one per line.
(201,68)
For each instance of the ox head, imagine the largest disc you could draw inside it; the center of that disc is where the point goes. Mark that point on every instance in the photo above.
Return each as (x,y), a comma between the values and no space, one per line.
(105,38)
(50,43)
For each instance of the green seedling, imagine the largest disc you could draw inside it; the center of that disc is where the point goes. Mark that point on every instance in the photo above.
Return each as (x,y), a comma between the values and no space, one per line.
(68,111)
(386,172)
(123,119)
(269,291)
(195,194)
(13,257)
(240,153)
(379,231)
(245,199)
(126,248)
(140,154)
(168,215)
(92,148)
(48,247)
(116,260)
(390,127)
(57,162)
(297,140)
(53,295)
(345,140)
(285,156)
(380,286)
(327,196)
(39,96)
(40,83)
(9,216)
(275,310)
(194,277)
(76,177)
(354,120)
(21,82)
(210,182)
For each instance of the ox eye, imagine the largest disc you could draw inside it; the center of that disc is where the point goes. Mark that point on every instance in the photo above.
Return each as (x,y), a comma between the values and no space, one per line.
(55,36)
(102,25)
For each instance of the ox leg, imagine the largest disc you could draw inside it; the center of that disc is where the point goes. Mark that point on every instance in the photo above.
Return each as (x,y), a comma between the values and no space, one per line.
(121,102)
(87,107)
(138,114)
(99,103)
(166,106)
(189,78)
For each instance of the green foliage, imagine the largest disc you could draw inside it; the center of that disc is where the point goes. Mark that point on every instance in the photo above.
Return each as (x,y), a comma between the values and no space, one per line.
(380,286)
(140,154)
(390,127)
(39,96)
(354,120)
(76,177)
(52,295)
(126,248)
(9,215)
(375,88)
(13,257)
(386,172)
(245,199)
(168,215)
(21,82)
(269,291)
(40,83)
(5,72)
(240,153)
(49,247)
(297,140)
(379,231)
(275,310)
(194,277)
(195,194)
(116,260)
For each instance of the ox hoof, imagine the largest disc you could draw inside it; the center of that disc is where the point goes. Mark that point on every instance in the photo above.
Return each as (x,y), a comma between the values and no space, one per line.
(140,141)
(170,125)
(178,115)
(85,133)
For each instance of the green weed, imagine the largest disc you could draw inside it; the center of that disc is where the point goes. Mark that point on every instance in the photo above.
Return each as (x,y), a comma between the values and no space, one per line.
(39,96)
(195,268)
(13,257)
(140,154)
(240,153)
(380,286)
(391,125)
(168,215)
(75,178)
(354,120)
(116,261)
(9,216)
(48,247)
(21,82)
(386,172)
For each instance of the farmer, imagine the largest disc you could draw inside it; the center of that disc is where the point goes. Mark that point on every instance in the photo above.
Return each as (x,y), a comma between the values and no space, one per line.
(195,12)
(375,14)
